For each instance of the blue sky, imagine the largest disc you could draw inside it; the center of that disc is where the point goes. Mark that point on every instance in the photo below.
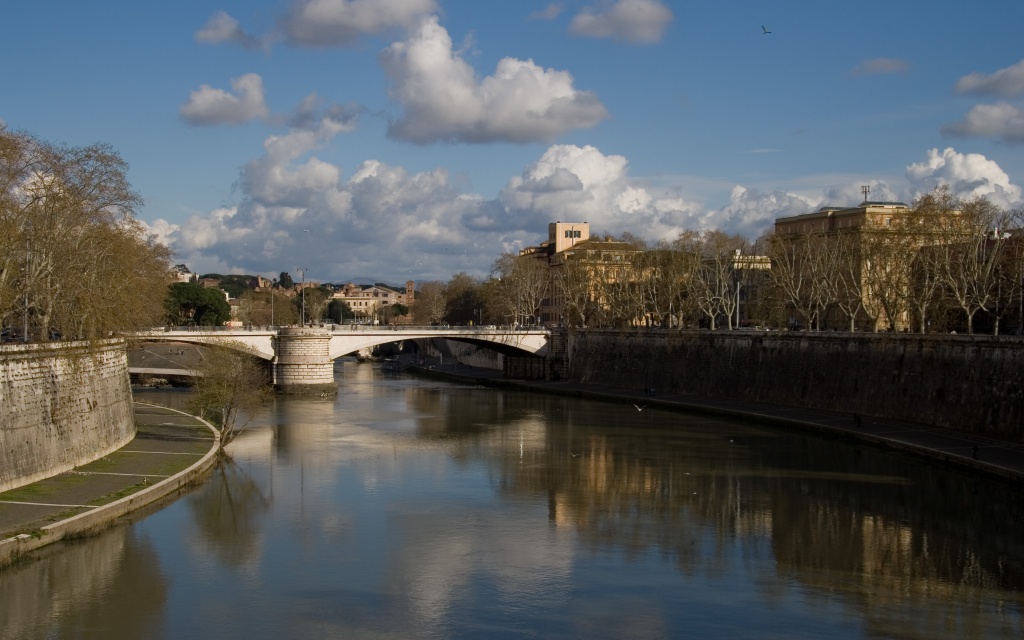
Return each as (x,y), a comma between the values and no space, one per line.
(389,140)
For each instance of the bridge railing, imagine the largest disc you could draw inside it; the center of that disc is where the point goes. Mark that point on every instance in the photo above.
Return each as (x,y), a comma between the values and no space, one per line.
(354,327)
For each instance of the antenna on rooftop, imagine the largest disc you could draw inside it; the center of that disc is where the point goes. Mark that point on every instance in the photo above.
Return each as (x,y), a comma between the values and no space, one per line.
(865,189)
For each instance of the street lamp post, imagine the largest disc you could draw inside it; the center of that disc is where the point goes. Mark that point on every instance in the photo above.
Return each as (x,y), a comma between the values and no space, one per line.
(302,292)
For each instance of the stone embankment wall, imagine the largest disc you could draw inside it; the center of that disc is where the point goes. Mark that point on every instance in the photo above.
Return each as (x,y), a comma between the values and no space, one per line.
(61,405)
(970,383)
(451,351)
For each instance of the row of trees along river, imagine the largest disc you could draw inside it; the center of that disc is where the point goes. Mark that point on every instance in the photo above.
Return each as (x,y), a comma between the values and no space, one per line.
(68,230)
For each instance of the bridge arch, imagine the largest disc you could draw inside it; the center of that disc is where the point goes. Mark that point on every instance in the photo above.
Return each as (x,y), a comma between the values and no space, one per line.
(303,357)
(258,342)
(508,342)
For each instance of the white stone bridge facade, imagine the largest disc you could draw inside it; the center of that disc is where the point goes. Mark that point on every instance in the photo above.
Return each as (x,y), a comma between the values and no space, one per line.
(303,357)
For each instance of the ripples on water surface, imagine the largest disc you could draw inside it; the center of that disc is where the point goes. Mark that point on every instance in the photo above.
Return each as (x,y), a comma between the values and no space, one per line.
(410,508)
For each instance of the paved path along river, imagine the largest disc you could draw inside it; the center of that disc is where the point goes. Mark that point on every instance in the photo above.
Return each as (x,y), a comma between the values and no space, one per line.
(167,444)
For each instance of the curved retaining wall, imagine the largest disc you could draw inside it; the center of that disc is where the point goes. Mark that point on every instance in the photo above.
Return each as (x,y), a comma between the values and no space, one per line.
(61,405)
(102,517)
(969,383)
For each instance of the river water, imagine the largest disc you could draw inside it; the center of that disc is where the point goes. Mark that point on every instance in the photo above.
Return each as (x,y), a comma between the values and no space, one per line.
(407,508)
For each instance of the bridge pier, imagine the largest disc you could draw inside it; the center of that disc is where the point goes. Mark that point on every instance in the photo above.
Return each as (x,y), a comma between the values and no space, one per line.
(302,363)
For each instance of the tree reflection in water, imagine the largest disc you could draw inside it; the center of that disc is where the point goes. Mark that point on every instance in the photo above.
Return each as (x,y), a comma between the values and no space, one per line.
(408,508)
(228,514)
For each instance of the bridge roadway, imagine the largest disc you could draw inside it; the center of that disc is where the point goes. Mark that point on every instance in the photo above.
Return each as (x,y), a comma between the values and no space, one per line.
(303,356)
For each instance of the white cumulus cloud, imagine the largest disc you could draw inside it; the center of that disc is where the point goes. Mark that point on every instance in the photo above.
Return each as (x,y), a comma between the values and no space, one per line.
(333,23)
(382,223)
(751,212)
(443,100)
(634,21)
(298,210)
(570,182)
(210,106)
(967,174)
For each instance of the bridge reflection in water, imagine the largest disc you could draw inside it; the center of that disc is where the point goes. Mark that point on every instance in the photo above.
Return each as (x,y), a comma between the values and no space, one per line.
(411,508)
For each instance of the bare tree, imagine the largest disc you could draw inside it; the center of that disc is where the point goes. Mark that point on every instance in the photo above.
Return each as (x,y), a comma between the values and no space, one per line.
(850,291)
(790,275)
(823,261)
(973,243)
(231,386)
(919,228)
(523,283)
(661,283)
(431,304)
(245,310)
(572,285)
(1013,267)
(886,269)
(75,261)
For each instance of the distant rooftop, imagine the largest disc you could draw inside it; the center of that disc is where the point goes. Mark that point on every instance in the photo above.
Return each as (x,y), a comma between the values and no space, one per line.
(866,203)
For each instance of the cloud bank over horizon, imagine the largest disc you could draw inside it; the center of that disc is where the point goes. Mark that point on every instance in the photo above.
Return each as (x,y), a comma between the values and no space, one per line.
(384,223)
(294,207)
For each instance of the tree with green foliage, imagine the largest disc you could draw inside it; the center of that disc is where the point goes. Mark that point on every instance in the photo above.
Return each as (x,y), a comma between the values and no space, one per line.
(188,303)
(339,311)
(316,300)
(234,284)
(285,280)
(397,310)
(464,299)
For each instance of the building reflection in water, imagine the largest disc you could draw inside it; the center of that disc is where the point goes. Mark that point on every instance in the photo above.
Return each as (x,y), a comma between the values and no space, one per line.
(412,508)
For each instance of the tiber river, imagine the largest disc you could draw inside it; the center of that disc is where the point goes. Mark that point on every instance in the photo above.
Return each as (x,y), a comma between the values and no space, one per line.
(418,509)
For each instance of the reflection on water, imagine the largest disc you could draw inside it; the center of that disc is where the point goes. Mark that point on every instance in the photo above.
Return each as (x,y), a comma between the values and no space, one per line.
(110,586)
(406,508)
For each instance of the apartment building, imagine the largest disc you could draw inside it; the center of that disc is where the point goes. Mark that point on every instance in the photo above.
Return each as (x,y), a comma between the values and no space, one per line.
(369,301)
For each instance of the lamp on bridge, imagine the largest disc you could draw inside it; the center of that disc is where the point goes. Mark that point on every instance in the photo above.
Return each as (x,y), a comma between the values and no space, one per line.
(302,291)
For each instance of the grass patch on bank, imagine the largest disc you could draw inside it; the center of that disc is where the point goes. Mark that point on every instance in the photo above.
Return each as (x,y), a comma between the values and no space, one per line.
(45,490)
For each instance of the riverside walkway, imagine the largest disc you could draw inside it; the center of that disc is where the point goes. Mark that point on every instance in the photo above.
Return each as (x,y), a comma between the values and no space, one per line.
(170,451)
(992,456)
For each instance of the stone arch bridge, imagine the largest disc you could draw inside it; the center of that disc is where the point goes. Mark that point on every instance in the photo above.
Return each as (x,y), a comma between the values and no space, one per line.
(303,357)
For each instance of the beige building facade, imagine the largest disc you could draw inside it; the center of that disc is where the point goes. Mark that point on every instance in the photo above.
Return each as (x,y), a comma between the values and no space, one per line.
(370,302)
(854,223)
(580,264)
